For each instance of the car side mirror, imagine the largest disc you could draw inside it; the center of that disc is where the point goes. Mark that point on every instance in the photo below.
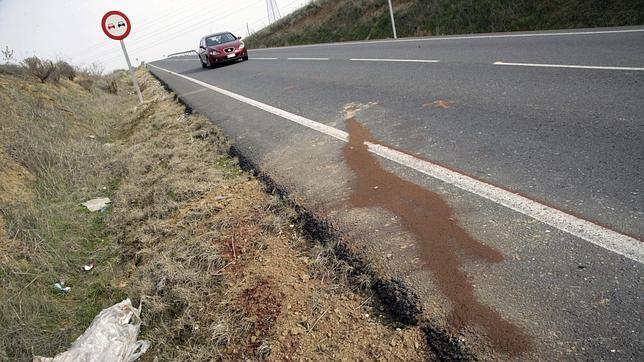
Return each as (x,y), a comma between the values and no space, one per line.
(202,47)
(239,38)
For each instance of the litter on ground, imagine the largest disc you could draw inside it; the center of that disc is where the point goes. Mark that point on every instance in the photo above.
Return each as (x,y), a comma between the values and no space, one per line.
(98,204)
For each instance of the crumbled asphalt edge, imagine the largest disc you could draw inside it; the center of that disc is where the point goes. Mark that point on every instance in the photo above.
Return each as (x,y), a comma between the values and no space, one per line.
(401,301)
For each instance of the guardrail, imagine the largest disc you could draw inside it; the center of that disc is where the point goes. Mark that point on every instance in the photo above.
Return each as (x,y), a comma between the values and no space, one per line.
(187,52)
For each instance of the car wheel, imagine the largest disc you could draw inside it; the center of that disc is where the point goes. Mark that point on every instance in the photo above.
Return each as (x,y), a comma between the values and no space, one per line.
(210,65)
(245,58)
(203,65)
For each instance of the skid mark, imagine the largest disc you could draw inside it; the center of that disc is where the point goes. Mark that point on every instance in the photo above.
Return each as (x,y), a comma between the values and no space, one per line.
(440,238)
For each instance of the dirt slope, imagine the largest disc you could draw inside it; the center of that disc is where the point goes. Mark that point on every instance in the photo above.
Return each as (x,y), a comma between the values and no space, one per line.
(222,267)
(343,20)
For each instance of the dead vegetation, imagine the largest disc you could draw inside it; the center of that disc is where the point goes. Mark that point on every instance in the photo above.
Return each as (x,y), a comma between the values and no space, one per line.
(221,267)
(52,157)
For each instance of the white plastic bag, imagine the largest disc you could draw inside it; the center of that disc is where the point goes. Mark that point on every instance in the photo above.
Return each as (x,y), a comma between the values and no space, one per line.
(111,337)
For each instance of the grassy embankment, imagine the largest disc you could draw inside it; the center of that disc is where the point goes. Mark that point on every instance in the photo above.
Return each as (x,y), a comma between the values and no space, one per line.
(344,20)
(222,267)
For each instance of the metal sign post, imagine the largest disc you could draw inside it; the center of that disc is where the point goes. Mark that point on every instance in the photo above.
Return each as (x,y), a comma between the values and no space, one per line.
(117,26)
(393,22)
(129,66)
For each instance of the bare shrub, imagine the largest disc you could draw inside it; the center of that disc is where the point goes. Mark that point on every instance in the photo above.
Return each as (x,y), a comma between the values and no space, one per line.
(113,87)
(65,70)
(86,83)
(7,54)
(94,70)
(43,70)
(12,69)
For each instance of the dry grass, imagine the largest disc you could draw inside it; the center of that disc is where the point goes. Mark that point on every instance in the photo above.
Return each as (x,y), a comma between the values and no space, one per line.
(48,165)
(222,267)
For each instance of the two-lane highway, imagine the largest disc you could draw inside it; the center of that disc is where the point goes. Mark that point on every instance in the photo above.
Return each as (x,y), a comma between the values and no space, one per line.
(533,139)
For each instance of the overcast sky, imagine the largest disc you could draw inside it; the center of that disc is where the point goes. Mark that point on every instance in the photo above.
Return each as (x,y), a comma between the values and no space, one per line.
(70,29)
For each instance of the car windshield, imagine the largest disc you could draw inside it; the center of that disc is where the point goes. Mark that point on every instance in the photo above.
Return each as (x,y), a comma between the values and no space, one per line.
(219,39)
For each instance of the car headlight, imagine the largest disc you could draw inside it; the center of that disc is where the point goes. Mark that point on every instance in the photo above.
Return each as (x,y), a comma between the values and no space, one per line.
(242,45)
(213,51)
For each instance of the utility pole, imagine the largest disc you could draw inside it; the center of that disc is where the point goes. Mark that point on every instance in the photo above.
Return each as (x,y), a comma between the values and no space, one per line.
(273,11)
(393,21)
(247,30)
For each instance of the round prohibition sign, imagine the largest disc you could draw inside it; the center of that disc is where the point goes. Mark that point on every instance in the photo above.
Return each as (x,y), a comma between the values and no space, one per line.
(116,25)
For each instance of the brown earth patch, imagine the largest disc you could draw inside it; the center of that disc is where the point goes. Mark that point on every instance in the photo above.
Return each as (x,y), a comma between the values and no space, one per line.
(15,181)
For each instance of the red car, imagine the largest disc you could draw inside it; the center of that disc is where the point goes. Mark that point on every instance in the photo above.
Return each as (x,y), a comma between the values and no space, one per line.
(220,48)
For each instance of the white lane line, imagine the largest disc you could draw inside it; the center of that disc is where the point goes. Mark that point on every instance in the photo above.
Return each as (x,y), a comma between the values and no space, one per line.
(308,58)
(466,37)
(569,66)
(395,60)
(181,60)
(255,58)
(586,230)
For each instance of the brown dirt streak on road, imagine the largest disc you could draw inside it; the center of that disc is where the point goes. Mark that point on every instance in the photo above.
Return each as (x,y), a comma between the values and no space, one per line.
(428,217)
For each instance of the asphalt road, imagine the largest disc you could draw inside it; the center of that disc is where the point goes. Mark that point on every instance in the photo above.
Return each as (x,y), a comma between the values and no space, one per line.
(559,121)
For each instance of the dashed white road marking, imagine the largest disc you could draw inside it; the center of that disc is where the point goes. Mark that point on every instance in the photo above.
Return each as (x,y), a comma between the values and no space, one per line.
(569,66)
(395,60)
(584,229)
(466,37)
(255,58)
(307,58)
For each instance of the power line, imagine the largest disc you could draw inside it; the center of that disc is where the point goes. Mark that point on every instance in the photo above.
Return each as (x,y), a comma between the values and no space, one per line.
(163,34)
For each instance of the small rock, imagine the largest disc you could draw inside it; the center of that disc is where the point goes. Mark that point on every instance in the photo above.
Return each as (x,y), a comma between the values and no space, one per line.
(253,339)
(416,345)
(295,331)
(305,277)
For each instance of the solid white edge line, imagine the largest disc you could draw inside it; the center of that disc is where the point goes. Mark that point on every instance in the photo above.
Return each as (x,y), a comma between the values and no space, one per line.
(603,237)
(568,66)
(395,60)
(467,37)
(254,58)
(307,58)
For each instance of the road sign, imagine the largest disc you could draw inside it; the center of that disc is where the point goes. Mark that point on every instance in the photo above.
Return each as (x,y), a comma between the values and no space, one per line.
(117,26)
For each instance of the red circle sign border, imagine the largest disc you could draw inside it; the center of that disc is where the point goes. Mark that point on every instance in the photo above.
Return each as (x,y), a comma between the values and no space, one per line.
(127,20)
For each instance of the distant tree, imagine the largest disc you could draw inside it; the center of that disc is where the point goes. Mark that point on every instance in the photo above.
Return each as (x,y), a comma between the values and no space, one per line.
(43,70)
(7,55)
(65,70)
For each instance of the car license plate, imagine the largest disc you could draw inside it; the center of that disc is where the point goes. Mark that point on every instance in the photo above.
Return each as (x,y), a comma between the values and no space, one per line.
(230,55)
